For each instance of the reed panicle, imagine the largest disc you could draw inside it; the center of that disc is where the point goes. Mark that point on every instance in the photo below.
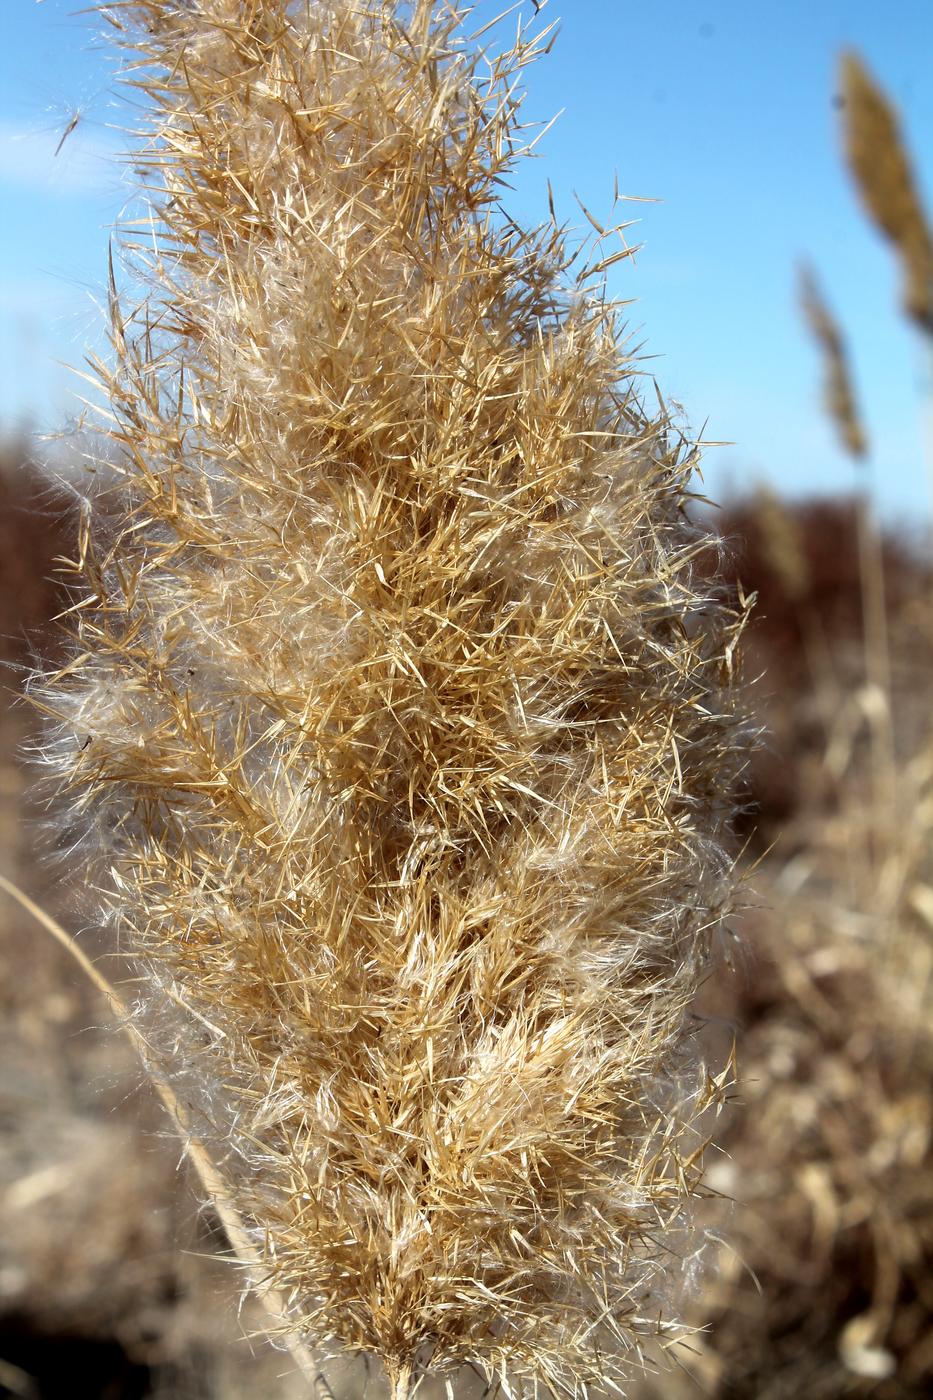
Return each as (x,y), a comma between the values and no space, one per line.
(880,164)
(399,724)
(838,392)
(842,408)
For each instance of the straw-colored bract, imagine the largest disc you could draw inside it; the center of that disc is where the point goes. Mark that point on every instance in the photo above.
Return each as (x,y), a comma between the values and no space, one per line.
(398,724)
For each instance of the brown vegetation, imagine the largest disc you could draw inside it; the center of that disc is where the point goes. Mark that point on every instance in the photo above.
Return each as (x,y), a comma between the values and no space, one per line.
(816,1282)
(822,1287)
(398,735)
(805,645)
(110,1283)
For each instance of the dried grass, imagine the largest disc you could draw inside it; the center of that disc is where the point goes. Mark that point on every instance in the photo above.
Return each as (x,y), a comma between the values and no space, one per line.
(842,408)
(111,1277)
(823,1286)
(398,732)
(819,1283)
(824,1289)
(880,164)
(839,394)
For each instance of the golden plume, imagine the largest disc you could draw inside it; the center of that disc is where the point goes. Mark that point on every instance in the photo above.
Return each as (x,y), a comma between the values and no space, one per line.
(398,723)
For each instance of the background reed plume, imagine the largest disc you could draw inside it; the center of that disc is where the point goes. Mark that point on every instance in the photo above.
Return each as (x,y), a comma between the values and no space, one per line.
(397,733)
(838,394)
(880,164)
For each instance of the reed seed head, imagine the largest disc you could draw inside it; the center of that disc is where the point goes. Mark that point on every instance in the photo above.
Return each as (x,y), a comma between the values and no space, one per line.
(839,395)
(399,721)
(880,164)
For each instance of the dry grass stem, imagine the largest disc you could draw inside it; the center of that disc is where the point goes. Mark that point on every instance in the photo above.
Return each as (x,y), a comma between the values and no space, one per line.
(833,1157)
(842,408)
(210,1179)
(398,733)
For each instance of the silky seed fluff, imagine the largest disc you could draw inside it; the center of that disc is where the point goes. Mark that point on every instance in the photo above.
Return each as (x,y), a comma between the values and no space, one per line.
(399,730)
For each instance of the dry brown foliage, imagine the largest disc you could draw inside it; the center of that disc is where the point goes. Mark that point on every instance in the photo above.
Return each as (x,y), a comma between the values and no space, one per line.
(805,643)
(824,1289)
(397,733)
(32,535)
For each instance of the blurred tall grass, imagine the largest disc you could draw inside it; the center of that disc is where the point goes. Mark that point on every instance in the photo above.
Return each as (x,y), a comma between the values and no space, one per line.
(823,1283)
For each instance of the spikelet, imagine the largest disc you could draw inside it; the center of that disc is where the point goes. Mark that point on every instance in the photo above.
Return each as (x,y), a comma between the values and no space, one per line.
(838,393)
(398,724)
(878,158)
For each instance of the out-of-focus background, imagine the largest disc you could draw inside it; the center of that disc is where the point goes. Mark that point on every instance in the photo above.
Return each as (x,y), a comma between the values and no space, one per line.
(817,1275)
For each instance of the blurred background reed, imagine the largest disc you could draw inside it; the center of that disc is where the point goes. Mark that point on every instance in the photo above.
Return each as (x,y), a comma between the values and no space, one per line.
(816,1278)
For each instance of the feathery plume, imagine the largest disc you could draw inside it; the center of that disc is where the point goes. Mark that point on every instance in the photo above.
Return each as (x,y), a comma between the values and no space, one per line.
(881,167)
(839,394)
(399,721)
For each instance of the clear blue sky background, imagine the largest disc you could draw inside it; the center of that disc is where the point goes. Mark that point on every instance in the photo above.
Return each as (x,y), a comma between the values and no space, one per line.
(722,109)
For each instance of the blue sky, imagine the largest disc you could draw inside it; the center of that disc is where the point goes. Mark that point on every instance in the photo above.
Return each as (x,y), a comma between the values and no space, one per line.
(721,109)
